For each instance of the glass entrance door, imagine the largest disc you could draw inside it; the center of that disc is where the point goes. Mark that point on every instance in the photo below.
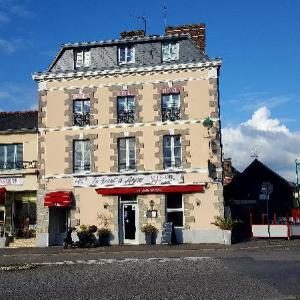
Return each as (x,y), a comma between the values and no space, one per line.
(130,223)
(58,223)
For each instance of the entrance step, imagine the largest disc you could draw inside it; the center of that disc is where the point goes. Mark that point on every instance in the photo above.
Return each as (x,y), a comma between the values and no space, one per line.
(23,243)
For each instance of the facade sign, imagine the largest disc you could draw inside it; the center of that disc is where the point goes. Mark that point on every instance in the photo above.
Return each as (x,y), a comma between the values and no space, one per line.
(80,96)
(125,93)
(129,180)
(170,90)
(11,181)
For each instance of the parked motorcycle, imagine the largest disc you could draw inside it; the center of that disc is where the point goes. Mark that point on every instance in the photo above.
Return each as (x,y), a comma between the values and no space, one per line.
(68,239)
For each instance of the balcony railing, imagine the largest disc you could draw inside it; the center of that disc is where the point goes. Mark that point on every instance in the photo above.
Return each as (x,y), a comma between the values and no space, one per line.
(81,119)
(171,114)
(81,168)
(18,165)
(126,117)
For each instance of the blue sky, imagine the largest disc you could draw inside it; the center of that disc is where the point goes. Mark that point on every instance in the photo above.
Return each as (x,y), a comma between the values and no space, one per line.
(258,41)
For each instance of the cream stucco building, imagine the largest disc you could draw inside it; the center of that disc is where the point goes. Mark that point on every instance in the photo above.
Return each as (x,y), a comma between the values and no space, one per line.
(130,135)
(18,172)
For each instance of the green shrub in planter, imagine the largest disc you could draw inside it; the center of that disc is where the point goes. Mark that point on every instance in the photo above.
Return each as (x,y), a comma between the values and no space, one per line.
(104,235)
(225,223)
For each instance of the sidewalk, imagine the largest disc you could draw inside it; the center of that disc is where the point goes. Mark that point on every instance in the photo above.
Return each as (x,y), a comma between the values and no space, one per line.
(253,244)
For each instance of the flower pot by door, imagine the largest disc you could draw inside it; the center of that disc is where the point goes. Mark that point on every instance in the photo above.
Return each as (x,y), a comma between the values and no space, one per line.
(227,237)
(150,238)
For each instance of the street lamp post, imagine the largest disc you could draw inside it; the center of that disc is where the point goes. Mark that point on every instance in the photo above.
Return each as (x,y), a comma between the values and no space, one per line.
(297,181)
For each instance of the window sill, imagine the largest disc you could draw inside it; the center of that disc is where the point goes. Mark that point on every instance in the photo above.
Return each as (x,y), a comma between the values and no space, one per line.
(126,63)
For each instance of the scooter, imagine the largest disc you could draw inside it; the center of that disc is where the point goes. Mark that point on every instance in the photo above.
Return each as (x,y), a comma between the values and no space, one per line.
(68,239)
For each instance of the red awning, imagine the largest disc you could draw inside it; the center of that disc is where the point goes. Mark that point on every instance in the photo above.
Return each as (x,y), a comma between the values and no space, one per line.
(61,199)
(195,188)
(2,195)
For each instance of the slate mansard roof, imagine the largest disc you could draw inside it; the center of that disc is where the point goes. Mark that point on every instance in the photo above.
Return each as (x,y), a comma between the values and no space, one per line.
(19,121)
(104,54)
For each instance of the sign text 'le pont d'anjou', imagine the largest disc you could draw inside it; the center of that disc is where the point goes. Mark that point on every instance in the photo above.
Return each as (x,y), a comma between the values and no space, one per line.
(129,180)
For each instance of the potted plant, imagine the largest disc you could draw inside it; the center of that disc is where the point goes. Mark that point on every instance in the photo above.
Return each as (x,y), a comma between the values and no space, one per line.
(86,236)
(104,236)
(150,233)
(226,225)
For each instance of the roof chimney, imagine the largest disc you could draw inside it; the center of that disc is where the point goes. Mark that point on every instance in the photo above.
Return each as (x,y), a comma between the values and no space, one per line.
(132,34)
(196,31)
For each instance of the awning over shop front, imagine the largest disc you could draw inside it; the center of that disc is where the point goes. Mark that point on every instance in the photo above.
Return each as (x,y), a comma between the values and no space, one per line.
(2,195)
(60,199)
(193,188)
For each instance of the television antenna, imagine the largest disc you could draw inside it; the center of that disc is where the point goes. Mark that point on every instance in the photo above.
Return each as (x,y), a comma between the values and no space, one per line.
(254,153)
(143,19)
(165,8)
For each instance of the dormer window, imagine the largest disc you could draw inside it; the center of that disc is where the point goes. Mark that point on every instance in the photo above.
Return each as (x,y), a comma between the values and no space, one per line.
(126,54)
(170,51)
(82,58)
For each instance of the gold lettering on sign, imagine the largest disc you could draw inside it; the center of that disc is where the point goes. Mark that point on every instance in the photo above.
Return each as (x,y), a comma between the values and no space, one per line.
(170,90)
(80,96)
(125,93)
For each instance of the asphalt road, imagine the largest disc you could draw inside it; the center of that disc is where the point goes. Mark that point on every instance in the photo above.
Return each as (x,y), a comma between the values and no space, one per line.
(249,274)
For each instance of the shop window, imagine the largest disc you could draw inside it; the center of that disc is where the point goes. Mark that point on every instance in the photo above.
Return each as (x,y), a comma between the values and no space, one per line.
(171,107)
(126,109)
(81,112)
(170,51)
(126,154)
(11,156)
(82,58)
(126,55)
(81,156)
(174,209)
(172,151)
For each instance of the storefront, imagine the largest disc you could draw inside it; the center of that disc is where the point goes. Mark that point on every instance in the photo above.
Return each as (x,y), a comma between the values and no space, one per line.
(59,203)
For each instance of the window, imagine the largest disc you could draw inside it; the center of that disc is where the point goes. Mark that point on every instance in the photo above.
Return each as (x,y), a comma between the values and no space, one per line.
(81,156)
(174,209)
(170,51)
(126,55)
(11,156)
(82,58)
(171,107)
(126,154)
(126,109)
(81,112)
(172,151)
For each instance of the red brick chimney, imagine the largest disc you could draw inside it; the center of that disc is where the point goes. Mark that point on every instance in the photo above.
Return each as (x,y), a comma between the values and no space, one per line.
(197,32)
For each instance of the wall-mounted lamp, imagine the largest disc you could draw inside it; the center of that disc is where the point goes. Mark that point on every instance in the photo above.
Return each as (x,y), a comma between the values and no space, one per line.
(151,203)
(106,205)
(198,202)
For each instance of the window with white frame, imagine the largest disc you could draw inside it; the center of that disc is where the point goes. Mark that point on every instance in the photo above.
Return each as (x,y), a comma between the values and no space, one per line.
(82,58)
(126,154)
(81,156)
(171,107)
(126,109)
(174,209)
(126,54)
(172,151)
(170,51)
(81,112)
(11,156)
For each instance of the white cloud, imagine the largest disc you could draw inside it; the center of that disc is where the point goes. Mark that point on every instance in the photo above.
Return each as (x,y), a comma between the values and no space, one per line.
(16,96)
(274,143)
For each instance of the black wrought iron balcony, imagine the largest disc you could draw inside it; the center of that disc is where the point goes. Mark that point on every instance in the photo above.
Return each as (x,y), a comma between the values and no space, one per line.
(18,165)
(81,119)
(171,114)
(126,117)
(82,168)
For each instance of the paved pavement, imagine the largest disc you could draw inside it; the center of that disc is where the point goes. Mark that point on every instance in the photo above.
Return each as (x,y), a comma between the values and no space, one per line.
(254,270)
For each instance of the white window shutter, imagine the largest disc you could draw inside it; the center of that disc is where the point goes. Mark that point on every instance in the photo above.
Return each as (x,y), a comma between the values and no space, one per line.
(79,59)
(87,58)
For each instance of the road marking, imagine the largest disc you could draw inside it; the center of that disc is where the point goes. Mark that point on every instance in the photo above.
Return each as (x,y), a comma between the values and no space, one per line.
(102,261)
